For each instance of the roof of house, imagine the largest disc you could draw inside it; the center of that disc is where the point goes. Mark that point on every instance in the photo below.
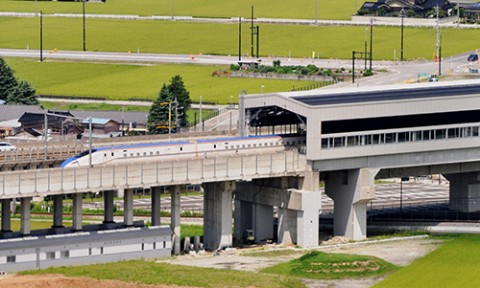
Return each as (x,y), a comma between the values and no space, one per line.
(474,6)
(98,121)
(119,116)
(10,112)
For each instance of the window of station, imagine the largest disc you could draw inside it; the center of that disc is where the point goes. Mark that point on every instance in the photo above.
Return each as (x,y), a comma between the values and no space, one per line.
(400,137)
(11,259)
(50,255)
(65,254)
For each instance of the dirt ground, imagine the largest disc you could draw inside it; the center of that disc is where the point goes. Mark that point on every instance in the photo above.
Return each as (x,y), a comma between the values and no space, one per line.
(400,252)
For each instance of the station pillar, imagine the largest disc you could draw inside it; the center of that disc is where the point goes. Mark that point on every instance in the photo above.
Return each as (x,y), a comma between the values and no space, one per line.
(58,214)
(217,219)
(156,206)
(6,230)
(77,211)
(464,191)
(297,200)
(25,215)
(108,221)
(351,190)
(128,207)
(175,217)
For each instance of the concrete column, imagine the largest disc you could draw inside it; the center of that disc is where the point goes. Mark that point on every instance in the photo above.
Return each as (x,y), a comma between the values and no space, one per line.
(242,218)
(287,226)
(128,207)
(263,222)
(77,212)
(351,190)
(464,191)
(58,214)
(156,206)
(175,217)
(108,207)
(25,215)
(217,219)
(6,218)
(298,201)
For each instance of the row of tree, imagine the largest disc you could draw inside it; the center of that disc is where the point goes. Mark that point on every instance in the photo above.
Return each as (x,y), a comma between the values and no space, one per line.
(13,91)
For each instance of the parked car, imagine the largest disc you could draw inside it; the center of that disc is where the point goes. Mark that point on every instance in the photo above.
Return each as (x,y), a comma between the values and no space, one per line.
(472,57)
(4,146)
(433,78)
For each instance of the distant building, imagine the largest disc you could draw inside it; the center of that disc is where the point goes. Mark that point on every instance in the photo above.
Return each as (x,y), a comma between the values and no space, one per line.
(101,128)
(472,12)
(411,8)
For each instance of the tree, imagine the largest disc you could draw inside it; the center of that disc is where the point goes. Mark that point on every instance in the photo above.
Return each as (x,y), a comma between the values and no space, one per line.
(169,110)
(23,93)
(7,80)
(182,97)
(159,113)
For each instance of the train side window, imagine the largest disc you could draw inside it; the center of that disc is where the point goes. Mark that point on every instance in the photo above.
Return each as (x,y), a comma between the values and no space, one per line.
(124,154)
(144,153)
(151,152)
(104,154)
(181,148)
(112,154)
(138,153)
(254,145)
(215,146)
(131,154)
(243,145)
(158,152)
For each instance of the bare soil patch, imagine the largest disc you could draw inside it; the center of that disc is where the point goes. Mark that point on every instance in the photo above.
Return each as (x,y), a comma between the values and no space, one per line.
(60,281)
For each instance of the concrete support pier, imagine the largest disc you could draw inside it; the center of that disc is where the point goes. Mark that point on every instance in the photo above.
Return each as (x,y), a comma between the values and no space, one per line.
(58,214)
(108,207)
(464,191)
(25,215)
(77,211)
(351,190)
(217,219)
(156,206)
(128,207)
(175,217)
(6,231)
(298,204)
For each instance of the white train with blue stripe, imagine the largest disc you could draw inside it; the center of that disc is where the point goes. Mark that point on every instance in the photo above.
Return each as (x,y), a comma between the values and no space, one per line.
(143,152)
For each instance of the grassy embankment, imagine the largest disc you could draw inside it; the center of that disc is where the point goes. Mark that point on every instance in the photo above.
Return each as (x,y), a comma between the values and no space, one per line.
(300,9)
(454,264)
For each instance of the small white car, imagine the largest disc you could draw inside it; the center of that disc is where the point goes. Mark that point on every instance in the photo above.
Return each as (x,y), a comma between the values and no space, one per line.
(5,146)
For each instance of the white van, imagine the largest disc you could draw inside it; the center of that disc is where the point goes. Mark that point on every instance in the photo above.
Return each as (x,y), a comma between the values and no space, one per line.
(4,146)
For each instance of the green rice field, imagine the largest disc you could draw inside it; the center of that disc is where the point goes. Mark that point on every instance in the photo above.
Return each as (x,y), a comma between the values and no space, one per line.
(125,81)
(304,9)
(204,38)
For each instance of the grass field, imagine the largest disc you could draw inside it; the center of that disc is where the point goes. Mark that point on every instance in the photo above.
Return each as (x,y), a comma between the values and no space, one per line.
(120,82)
(454,264)
(304,9)
(149,272)
(203,38)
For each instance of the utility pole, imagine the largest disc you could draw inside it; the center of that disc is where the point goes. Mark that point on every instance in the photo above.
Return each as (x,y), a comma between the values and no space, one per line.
(258,40)
(252,32)
(402,13)
(239,38)
(371,42)
(316,12)
(84,31)
(438,44)
(41,36)
(171,10)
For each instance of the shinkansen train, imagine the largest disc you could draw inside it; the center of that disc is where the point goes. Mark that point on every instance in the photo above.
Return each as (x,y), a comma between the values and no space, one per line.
(186,148)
